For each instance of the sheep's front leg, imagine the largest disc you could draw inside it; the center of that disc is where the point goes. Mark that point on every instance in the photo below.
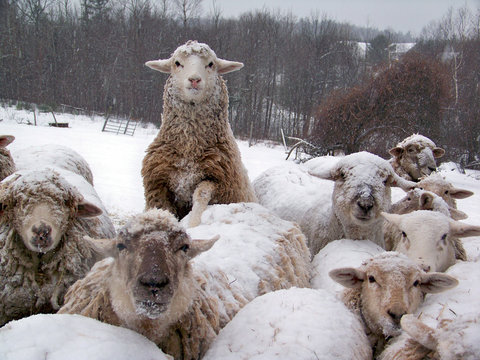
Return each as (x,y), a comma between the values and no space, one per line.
(160,198)
(201,197)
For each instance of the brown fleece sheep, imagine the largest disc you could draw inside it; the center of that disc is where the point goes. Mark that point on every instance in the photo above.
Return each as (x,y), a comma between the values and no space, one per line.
(7,165)
(194,160)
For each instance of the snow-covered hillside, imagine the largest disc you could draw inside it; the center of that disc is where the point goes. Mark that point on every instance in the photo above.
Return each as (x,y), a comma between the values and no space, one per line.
(116,162)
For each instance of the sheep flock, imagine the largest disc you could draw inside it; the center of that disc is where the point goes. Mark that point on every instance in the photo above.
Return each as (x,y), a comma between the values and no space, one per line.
(371,255)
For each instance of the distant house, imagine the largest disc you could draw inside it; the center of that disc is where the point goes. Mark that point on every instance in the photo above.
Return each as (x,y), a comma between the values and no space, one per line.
(397,50)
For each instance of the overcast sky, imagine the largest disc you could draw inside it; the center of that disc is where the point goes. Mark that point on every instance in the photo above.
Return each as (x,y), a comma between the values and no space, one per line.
(400,15)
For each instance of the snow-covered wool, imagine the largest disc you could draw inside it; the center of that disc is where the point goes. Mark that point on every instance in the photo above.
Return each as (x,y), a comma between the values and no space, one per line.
(418,199)
(55,157)
(73,337)
(361,191)
(385,288)
(415,156)
(43,221)
(431,238)
(180,303)
(451,318)
(437,184)
(194,160)
(263,329)
(7,165)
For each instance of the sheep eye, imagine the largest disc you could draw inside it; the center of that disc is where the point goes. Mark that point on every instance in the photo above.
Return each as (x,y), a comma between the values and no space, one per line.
(409,198)
(404,234)
(184,248)
(121,246)
(177,63)
(416,283)
(371,279)
(446,192)
(211,64)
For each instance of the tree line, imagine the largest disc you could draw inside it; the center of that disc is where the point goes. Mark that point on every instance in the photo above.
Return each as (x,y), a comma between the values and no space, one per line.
(92,56)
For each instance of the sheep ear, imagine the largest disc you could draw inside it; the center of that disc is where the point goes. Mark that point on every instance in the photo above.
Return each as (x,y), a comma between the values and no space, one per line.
(437,282)
(397,181)
(418,331)
(86,209)
(348,277)
(392,218)
(396,151)
(6,139)
(426,201)
(438,152)
(199,246)
(226,66)
(160,65)
(456,214)
(460,229)
(460,193)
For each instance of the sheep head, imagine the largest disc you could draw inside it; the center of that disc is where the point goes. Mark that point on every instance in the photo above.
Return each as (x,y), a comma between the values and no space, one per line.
(416,155)
(438,185)
(152,265)
(194,69)
(7,165)
(40,206)
(362,187)
(390,285)
(428,237)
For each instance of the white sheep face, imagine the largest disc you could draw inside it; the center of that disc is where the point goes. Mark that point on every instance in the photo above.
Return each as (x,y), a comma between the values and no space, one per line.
(427,237)
(391,286)
(152,263)
(193,70)
(416,155)
(41,206)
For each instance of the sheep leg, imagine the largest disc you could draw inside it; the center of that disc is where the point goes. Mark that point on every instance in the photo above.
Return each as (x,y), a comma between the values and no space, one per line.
(200,199)
(160,199)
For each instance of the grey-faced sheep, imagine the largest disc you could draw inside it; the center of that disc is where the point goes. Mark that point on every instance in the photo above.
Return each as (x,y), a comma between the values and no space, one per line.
(431,238)
(7,165)
(265,329)
(449,322)
(385,288)
(415,156)
(43,221)
(361,191)
(194,160)
(156,287)
(437,184)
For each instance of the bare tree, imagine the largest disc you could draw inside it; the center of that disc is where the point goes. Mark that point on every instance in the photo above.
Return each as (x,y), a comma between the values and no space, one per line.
(187,10)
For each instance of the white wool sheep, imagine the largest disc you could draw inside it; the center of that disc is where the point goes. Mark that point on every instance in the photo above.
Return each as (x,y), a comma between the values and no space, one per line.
(430,238)
(7,165)
(263,329)
(194,160)
(415,156)
(73,337)
(55,157)
(361,191)
(385,288)
(155,288)
(451,318)
(437,184)
(43,221)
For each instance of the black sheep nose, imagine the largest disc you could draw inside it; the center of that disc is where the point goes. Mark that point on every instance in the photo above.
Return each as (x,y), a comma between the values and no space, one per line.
(366,204)
(41,234)
(396,315)
(155,285)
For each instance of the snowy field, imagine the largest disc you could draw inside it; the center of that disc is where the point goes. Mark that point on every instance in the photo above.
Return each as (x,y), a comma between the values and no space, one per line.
(116,162)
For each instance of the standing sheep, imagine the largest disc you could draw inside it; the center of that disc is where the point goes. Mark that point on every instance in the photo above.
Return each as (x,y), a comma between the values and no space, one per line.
(431,238)
(7,165)
(159,287)
(361,191)
(414,157)
(43,221)
(194,160)
(385,288)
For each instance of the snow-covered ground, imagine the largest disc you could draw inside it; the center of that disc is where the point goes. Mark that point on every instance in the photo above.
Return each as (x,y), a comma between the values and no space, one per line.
(116,162)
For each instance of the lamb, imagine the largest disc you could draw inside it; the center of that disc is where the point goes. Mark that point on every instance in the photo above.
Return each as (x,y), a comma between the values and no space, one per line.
(385,288)
(450,324)
(7,165)
(414,157)
(182,301)
(431,238)
(272,336)
(438,185)
(361,191)
(194,160)
(43,221)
